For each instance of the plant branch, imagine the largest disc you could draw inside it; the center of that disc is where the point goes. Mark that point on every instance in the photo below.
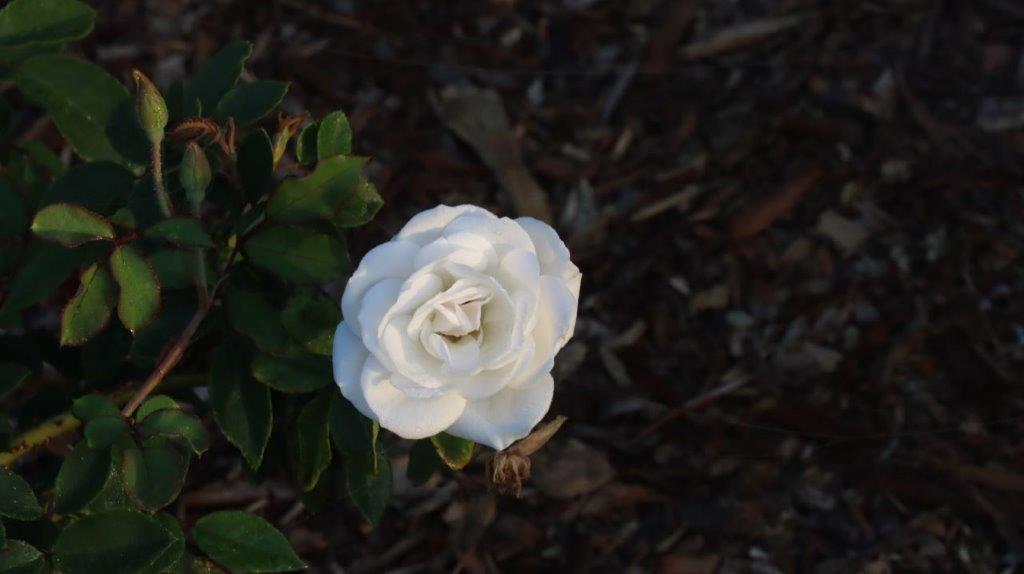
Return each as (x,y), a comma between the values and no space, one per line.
(158,180)
(66,422)
(169,361)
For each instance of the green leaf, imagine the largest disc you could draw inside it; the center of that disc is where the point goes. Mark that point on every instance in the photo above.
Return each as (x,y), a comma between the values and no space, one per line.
(25,22)
(102,432)
(423,462)
(306,144)
(149,344)
(40,533)
(217,75)
(311,318)
(12,211)
(12,375)
(256,164)
(256,318)
(20,558)
(172,559)
(178,426)
(298,255)
(43,156)
(352,432)
(3,537)
(112,496)
(71,225)
(140,289)
(46,267)
(88,312)
(292,375)
(183,231)
(154,473)
(313,440)
(154,404)
(93,406)
(114,542)
(92,110)
(334,136)
(18,500)
(369,483)
(360,206)
(244,542)
(455,452)
(100,186)
(241,406)
(247,103)
(319,195)
(81,478)
(177,269)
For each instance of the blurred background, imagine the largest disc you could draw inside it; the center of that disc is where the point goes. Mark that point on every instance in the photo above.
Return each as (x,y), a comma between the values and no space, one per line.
(799,223)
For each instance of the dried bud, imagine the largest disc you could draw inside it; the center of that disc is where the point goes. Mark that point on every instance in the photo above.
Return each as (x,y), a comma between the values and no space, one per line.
(508,472)
(150,107)
(195,175)
(511,467)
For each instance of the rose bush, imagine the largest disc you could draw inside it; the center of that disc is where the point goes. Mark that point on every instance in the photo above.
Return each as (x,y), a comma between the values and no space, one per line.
(454,324)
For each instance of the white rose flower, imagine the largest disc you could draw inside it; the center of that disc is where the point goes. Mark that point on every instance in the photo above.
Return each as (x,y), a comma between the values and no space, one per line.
(453,326)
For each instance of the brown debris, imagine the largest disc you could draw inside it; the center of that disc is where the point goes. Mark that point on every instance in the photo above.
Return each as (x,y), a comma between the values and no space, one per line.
(479,118)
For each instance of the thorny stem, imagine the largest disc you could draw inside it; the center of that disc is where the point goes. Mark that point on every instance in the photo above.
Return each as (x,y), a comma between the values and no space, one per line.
(158,180)
(169,361)
(66,422)
(174,354)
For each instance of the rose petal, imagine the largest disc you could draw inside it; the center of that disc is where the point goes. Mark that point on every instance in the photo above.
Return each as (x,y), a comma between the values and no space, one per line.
(507,416)
(349,356)
(408,417)
(519,270)
(426,226)
(502,233)
(463,248)
(386,261)
(556,318)
(486,383)
(552,253)
(379,299)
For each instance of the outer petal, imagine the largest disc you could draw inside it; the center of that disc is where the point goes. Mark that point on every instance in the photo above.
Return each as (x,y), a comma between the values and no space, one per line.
(393,259)
(349,357)
(552,253)
(379,299)
(403,415)
(556,318)
(426,226)
(506,416)
(503,233)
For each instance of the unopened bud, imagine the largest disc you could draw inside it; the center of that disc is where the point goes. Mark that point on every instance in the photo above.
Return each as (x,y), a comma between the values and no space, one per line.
(195,175)
(150,107)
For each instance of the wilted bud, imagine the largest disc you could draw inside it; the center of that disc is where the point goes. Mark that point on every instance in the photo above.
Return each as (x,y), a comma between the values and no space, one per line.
(508,469)
(508,472)
(195,175)
(150,107)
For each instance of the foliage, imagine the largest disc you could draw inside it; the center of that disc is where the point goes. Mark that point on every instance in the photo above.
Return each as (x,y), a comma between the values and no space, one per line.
(208,227)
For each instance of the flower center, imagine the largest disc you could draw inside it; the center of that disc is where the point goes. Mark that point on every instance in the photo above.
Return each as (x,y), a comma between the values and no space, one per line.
(456,319)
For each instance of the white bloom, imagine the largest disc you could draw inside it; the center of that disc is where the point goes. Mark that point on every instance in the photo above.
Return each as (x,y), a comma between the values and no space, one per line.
(453,326)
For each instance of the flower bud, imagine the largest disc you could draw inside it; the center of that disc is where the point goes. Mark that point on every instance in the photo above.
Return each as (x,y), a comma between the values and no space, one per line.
(195,175)
(150,107)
